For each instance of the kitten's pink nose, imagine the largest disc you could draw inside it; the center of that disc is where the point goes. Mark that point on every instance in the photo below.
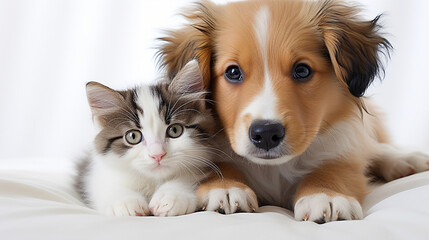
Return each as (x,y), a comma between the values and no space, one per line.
(156,151)
(158,157)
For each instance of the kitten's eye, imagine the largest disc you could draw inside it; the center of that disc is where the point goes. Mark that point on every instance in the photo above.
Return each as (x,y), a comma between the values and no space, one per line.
(174,130)
(301,72)
(233,74)
(133,137)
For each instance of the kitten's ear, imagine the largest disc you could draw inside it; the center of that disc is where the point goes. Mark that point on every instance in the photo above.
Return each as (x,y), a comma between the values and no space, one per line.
(189,79)
(102,99)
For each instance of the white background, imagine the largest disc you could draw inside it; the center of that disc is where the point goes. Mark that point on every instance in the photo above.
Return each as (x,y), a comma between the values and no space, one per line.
(50,49)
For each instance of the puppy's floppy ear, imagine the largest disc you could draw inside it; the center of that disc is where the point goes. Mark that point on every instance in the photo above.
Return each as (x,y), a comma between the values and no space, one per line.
(353,45)
(193,41)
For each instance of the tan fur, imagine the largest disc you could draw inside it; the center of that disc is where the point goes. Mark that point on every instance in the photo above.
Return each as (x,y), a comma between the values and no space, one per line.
(231,178)
(328,36)
(340,177)
(194,42)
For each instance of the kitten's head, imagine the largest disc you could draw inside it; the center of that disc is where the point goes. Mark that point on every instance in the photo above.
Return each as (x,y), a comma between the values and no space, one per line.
(158,130)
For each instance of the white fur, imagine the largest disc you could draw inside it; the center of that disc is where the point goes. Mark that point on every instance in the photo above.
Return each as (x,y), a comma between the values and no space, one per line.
(156,132)
(174,198)
(321,207)
(129,205)
(125,184)
(261,27)
(111,185)
(229,200)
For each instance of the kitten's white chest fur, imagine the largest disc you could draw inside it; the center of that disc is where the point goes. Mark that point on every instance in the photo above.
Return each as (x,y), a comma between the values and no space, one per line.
(123,191)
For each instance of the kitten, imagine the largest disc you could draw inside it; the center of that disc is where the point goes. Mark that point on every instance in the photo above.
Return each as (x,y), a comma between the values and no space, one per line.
(152,147)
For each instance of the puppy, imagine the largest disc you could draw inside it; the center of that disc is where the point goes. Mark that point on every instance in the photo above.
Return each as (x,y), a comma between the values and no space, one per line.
(288,79)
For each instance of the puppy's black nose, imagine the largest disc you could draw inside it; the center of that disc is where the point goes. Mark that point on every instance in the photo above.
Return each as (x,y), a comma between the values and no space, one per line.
(266,134)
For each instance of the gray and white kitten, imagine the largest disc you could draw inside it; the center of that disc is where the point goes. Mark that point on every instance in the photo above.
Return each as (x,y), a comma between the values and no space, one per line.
(152,147)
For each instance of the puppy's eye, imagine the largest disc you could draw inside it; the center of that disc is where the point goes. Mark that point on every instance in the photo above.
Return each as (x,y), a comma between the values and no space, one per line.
(133,137)
(233,74)
(301,72)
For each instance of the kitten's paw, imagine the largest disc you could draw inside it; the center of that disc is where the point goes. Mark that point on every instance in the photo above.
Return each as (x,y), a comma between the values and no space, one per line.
(131,206)
(173,203)
(321,208)
(229,200)
(405,165)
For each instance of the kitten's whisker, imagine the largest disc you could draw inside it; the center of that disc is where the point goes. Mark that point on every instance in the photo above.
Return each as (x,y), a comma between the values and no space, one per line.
(118,118)
(128,118)
(175,103)
(184,104)
(182,161)
(216,133)
(214,153)
(185,157)
(169,106)
(190,171)
(212,149)
(131,114)
(185,110)
(131,111)
(207,162)
(211,136)
(203,173)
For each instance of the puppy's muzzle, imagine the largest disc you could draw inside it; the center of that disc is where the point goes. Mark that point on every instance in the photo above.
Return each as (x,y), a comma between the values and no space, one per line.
(266,134)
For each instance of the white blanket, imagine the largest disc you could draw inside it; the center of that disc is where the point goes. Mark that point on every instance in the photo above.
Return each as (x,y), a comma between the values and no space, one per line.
(43,205)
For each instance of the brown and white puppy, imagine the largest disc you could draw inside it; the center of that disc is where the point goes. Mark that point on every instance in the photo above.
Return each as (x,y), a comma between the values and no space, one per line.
(287,78)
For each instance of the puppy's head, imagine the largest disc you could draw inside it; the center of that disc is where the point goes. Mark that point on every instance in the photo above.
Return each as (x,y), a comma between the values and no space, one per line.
(281,72)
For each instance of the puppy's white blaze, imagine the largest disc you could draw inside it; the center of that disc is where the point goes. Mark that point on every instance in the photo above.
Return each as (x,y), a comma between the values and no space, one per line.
(261,26)
(150,117)
(263,105)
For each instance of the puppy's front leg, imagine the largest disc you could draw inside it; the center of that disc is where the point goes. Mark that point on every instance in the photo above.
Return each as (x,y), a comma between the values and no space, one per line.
(332,192)
(227,194)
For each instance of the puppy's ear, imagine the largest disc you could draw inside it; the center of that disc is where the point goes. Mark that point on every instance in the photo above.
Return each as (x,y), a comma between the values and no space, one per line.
(194,41)
(353,45)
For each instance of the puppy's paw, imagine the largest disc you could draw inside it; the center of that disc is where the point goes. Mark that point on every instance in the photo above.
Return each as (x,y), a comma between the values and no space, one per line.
(321,208)
(129,206)
(173,203)
(238,198)
(404,165)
